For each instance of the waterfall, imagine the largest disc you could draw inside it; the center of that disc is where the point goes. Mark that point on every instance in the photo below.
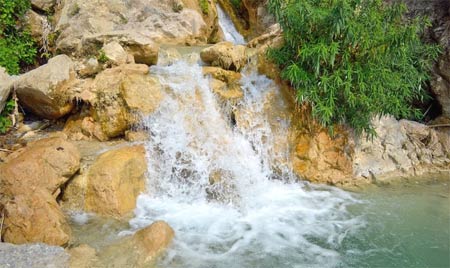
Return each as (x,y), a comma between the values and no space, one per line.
(212,179)
(229,30)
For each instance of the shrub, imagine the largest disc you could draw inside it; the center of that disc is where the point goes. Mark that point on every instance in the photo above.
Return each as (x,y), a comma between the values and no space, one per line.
(16,44)
(353,59)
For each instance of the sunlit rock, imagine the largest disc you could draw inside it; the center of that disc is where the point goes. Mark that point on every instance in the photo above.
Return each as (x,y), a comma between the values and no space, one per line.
(225,55)
(115,180)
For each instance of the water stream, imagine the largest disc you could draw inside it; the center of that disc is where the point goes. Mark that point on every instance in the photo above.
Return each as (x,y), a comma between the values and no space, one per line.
(232,202)
(230,32)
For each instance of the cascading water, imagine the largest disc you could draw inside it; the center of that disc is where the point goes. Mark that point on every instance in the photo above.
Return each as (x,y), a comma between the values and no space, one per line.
(245,219)
(212,181)
(224,184)
(229,31)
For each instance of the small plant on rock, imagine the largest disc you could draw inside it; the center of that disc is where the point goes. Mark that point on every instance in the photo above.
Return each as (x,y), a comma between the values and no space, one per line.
(204,6)
(102,58)
(5,116)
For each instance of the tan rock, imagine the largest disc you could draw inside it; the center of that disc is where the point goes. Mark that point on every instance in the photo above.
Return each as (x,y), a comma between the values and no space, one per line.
(46,163)
(141,93)
(30,181)
(153,240)
(226,92)
(74,193)
(136,136)
(320,158)
(115,180)
(221,74)
(142,249)
(225,55)
(90,67)
(35,217)
(44,5)
(114,91)
(143,53)
(45,91)
(115,53)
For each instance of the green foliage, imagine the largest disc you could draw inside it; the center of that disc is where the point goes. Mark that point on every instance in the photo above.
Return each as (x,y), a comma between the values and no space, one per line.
(204,6)
(236,4)
(5,119)
(353,59)
(101,57)
(16,44)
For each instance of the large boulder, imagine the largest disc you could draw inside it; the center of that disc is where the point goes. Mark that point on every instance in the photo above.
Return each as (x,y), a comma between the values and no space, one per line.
(33,256)
(120,93)
(35,217)
(139,26)
(225,55)
(46,163)
(46,90)
(115,180)
(30,181)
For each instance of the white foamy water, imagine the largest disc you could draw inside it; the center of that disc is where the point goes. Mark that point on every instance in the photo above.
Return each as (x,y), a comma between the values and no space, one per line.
(246,219)
(229,30)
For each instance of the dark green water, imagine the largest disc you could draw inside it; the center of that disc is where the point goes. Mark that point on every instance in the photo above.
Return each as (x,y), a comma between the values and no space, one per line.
(407,225)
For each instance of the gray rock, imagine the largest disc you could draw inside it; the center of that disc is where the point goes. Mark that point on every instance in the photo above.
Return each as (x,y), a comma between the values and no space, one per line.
(45,90)
(33,256)
(399,148)
(138,26)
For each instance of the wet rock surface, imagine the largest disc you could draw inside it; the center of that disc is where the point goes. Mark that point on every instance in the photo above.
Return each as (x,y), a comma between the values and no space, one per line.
(225,55)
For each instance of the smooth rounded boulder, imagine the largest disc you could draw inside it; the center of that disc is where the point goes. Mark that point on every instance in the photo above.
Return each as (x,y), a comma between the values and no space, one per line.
(46,90)
(115,180)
